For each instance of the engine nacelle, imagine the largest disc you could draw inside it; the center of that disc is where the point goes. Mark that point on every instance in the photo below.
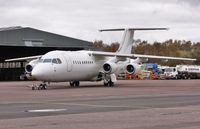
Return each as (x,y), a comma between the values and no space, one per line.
(132,68)
(29,67)
(109,67)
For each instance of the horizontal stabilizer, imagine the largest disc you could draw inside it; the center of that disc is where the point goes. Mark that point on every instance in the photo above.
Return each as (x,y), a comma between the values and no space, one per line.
(134,29)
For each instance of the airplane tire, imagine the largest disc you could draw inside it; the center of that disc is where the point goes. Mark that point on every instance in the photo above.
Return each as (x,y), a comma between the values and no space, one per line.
(105,83)
(77,83)
(74,83)
(71,84)
(44,87)
(111,83)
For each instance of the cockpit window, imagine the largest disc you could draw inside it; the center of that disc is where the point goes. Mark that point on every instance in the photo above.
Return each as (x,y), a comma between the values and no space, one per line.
(47,61)
(54,61)
(59,61)
(40,60)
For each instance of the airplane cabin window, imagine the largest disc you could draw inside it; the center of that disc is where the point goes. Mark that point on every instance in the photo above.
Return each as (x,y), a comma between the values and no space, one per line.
(47,61)
(54,61)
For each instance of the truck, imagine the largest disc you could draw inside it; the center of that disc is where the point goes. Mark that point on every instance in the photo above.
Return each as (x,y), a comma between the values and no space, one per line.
(183,72)
(171,73)
(188,71)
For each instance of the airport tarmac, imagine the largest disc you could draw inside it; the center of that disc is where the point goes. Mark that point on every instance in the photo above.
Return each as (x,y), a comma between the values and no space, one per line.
(131,104)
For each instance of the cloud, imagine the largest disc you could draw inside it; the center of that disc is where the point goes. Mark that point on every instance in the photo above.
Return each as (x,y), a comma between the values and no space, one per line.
(193,3)
(82,18)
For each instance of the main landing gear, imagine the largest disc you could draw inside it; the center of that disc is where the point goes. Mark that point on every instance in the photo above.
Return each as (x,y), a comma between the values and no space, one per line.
(109,80)
(108,83)
(74,83)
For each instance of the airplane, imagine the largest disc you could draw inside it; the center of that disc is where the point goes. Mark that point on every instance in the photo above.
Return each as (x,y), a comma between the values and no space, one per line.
(85,65)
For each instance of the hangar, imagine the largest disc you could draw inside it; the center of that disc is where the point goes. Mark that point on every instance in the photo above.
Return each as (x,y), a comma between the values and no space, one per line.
(25,41)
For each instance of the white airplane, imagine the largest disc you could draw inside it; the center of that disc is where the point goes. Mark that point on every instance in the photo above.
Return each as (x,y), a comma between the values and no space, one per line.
(76,66)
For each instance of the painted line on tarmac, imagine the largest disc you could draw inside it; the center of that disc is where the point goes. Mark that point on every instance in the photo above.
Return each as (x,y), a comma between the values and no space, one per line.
(45,110)
(91,105)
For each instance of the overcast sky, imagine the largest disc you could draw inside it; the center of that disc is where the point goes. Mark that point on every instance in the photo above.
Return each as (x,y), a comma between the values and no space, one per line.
(83,18)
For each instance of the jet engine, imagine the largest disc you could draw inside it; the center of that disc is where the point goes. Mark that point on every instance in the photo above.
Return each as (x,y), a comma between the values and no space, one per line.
(109,67)
(132,68)
(29,67)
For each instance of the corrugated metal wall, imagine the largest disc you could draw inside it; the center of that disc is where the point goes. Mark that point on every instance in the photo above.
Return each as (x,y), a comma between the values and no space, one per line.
(21,42)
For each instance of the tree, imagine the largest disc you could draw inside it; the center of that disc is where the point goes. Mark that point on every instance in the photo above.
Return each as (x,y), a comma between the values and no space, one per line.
(174,48)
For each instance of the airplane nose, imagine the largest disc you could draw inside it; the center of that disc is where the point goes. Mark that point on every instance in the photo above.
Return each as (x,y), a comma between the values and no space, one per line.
(36,73)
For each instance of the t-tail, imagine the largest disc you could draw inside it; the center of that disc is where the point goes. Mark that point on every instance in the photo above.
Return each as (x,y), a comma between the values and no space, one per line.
(127,40)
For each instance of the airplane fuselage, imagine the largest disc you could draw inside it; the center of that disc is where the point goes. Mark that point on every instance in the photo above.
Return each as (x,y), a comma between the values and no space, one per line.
(79,65)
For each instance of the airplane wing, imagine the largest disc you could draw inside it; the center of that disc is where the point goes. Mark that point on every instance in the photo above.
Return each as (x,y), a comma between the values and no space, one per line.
(139,56)
(163,57)
(23,58)
(111,54)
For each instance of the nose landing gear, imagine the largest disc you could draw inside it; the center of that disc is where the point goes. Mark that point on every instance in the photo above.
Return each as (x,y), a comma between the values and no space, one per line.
(42,86)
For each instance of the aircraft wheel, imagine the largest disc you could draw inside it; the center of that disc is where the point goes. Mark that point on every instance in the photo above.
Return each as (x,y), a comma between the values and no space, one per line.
(105,83)
(77,83)
(111,83)
(39,87)
(44,86)
(71,84)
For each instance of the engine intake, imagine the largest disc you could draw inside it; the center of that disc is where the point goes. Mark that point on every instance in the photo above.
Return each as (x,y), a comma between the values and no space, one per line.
(29,67)
(109,67)
(132,68)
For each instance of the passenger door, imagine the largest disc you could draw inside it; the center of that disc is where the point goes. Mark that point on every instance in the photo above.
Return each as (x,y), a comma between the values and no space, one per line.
(69,63)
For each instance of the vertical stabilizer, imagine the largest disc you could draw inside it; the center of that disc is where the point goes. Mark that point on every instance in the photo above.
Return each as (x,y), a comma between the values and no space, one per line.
(127,40)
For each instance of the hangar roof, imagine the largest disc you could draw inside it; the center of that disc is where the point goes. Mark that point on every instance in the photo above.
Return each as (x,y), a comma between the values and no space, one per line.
(30,37)
(10,28)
